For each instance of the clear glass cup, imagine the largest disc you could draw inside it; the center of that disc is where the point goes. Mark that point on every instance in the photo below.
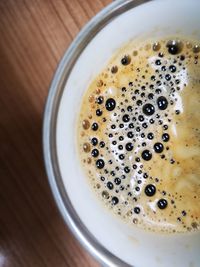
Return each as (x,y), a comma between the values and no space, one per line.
(69,60)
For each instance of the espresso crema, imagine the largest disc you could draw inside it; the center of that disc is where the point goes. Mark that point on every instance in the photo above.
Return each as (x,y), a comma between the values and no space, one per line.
(138,135)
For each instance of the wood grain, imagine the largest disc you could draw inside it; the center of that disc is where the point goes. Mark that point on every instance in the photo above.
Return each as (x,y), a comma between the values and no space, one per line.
(33,37)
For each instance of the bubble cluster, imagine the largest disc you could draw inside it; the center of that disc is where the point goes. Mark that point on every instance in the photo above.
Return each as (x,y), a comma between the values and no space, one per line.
(138,135)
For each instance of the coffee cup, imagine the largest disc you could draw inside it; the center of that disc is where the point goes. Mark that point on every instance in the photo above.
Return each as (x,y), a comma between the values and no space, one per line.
(110,240)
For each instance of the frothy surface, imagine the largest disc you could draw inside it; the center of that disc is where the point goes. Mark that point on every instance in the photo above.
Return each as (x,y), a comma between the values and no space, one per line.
(138,135)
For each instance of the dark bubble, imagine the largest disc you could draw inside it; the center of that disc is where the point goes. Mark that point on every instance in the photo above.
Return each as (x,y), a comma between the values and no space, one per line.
(121,138)
(172,161)
(126,169)
(129,108)
(113,126)
(141,118)
(168,77)
(146,155)
(137,159)
(100,100)
(158,147)
(100,164)
(94,126)
(158,83)
(162,203)
(99,112)
(117,181)
(165,127)
(110,104)
(165,137)
(158,91)
(145,125)
(174,47)
(148,109)
(163,68)
(121,156)
(134,166)
(131,125)
(145,175)
(121,125)
(172,68)
(184,213)
(126,118)
(160,54)
(136,210)
(158,62)
(94,141)
(110,185)
(150,96)
(95,153)
(129,146)
(162,103)
(121,187)
(139,102)
(150,190)
(130,135)
(157,116)
(137,129)
(115,200)
(126,60)
(150,136)
(102,178)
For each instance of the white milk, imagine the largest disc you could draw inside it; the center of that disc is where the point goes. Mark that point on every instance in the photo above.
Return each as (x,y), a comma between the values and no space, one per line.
(138,248)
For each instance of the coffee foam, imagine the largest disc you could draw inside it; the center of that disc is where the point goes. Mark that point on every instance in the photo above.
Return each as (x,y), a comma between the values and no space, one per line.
(144,162)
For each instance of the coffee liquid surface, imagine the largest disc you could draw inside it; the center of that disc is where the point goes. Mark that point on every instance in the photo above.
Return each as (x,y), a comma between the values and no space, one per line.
(138,135)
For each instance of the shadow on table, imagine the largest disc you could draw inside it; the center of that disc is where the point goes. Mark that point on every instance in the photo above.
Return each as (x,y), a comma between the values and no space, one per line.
(32,232)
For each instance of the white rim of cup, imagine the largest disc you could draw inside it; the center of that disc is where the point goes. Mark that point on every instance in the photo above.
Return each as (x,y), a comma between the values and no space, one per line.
(70,216)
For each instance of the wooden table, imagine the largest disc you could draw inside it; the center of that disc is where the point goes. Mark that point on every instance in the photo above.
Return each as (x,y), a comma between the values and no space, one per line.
(33,37)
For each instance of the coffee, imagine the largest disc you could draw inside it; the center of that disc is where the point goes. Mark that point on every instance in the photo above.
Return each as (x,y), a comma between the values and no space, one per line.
(138,135)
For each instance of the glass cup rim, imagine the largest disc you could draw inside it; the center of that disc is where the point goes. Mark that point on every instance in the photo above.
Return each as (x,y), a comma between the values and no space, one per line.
(71,218)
